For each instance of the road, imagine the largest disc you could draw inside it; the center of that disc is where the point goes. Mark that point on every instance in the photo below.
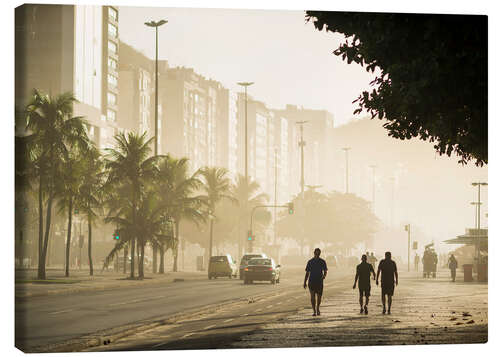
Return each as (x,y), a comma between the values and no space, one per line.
(54,319)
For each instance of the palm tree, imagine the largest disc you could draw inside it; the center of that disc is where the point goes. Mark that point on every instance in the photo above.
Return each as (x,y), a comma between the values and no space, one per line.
(216,186)
(176,188)
(52,130)
(131,168)
(91,192)
(246,193)
(69,182)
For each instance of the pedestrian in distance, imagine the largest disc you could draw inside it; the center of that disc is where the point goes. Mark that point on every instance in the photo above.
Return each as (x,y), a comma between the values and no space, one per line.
(389,272)
(417,261)
(362,277)
(452,264)
(372,260)
(316,270)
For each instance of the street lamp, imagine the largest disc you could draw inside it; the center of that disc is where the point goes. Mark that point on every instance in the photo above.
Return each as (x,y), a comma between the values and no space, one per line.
(479,184)
(156,24)
(346,150)
(245,85)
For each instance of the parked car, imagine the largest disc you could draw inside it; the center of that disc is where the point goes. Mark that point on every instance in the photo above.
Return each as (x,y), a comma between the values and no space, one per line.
(222,265)
(262,269)
(245,259)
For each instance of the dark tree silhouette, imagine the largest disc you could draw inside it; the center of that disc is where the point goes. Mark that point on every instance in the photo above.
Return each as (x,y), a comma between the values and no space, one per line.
(433,75)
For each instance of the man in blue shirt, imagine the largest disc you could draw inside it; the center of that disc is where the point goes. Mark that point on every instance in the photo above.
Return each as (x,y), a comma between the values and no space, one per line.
(315,272)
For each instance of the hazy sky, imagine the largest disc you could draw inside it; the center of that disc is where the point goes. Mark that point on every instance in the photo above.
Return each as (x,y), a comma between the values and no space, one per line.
(288,59)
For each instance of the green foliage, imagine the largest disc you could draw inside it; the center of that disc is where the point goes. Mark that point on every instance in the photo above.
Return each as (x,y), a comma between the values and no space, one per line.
(433,80)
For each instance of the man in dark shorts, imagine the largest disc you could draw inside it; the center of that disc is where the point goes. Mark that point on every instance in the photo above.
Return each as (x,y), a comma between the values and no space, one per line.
(315,272)
(389,271)
(363,271)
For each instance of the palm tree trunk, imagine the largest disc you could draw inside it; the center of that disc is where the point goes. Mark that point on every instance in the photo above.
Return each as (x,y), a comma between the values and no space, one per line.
(41,266)
(125,259)
(141,261)
(91,266)
(132,258)
(162,259)
(175,251)
(47,231)
(155,253)
(68,238)
(211,238)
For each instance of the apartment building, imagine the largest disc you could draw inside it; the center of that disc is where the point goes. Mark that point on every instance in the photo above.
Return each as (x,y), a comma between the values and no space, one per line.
(74,48)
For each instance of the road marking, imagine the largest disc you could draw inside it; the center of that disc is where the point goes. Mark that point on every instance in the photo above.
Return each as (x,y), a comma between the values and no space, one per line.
(160,344)
(59,312)
(278,303)
(228,320)
(188,334)
(208,327)
(258,310)
(269,306)
(244,315)
(137,300)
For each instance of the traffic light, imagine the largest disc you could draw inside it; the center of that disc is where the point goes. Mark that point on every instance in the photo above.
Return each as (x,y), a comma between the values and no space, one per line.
(415,245)
(76,211)
(290,208)
(407,227)
(116,236)
(249,235)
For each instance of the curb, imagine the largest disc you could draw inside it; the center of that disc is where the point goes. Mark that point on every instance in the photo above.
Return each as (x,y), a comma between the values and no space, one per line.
(169,280)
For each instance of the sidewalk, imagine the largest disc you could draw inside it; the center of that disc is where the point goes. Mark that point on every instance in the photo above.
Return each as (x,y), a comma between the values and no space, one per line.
(79,280)
(431,311)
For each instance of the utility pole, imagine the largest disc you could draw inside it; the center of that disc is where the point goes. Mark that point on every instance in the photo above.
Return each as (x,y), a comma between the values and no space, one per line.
(302,143)
(478,203)
(346,150)
(373,167)
(407,228)
(275,188)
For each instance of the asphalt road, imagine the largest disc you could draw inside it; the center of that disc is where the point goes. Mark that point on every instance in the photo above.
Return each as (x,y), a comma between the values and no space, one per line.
(53,319)
(221,328)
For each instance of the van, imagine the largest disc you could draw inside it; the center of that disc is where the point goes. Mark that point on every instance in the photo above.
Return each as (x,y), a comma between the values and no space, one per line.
(222,265)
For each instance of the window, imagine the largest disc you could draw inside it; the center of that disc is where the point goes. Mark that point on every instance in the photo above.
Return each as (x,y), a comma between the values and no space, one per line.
(111,115)
(113,13)
(111,98)
(112,30)
(112,48)
(112,80)
(112,63)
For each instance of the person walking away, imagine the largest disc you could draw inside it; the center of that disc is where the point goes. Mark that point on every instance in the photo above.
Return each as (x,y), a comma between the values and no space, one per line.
(389,271)
(373,260)
(452,264)
(417,261)
(316,270)
(362,277)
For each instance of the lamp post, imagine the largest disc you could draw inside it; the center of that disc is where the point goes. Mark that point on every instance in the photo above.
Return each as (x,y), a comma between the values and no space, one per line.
(302,143)
(246,85)
(156,24)
(479,184)
(346,150)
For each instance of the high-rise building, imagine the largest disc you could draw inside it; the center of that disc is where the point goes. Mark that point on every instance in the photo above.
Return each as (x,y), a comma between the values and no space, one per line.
(61,48)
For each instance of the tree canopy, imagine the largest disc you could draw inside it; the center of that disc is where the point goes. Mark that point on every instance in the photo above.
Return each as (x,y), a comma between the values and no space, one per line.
(433,75)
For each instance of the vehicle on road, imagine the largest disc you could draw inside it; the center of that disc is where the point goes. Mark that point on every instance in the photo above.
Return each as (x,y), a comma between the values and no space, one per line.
(262,269)
(245,259)
(222,265)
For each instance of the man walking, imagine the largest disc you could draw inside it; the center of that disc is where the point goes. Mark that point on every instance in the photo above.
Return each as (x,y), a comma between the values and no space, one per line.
(363,271)
(452,264)
(372,260)
(315,274)
(417,261)
(389,270)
